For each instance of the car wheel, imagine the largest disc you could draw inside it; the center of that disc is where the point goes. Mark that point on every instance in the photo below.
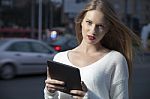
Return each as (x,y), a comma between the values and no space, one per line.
(7,71)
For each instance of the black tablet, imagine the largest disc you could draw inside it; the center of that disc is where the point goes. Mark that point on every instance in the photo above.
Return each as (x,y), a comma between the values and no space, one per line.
(70,75)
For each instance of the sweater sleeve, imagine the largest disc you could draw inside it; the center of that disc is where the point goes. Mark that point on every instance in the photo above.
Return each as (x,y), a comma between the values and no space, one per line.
(119,79)
(119,90)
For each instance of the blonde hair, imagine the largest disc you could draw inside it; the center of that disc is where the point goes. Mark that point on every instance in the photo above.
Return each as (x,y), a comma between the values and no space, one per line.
(119,38)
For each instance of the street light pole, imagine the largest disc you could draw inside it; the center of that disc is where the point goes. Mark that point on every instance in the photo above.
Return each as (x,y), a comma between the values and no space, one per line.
(40,21)
(126,11)
(62,11)
(32,18)
(51,14)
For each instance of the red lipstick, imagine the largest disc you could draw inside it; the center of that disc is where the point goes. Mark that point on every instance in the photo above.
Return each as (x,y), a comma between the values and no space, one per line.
(91,37)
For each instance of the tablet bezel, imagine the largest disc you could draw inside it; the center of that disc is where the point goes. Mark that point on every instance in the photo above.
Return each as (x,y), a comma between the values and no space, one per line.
(69,74)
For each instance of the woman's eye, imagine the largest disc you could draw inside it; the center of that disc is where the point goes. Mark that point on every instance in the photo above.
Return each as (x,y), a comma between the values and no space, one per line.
(89,22)
(101,27)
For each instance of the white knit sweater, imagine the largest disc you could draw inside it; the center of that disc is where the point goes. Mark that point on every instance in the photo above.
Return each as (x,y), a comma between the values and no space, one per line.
(106,78)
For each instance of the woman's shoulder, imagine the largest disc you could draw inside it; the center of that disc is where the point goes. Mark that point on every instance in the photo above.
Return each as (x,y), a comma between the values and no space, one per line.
(118,68)
(117,57)
(60,55)
(117,62)
(117,54)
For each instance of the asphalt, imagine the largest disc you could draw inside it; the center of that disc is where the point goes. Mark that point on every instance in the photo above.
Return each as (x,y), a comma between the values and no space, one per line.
(141,77)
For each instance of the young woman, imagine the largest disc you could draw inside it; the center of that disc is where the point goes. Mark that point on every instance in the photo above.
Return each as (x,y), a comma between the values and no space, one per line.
(104,56)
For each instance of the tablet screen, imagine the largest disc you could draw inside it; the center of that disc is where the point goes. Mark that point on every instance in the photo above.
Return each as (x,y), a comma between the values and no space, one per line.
(70,75)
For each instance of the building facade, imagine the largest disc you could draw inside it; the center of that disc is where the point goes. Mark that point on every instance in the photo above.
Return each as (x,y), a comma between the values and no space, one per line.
(134,12)
(128,10)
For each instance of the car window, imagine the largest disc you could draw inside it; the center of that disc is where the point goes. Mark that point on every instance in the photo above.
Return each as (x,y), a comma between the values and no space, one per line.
(39,47)
(19,46)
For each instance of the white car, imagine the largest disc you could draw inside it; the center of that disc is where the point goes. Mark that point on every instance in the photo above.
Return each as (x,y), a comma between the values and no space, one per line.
(23,56)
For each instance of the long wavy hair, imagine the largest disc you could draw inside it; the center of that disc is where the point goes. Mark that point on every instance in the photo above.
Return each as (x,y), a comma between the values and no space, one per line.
(119,38)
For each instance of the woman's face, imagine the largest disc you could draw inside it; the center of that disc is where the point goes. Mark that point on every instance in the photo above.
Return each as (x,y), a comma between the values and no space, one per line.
(94,27)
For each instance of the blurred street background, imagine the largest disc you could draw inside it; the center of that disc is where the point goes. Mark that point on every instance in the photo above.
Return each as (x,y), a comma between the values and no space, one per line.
(33,31)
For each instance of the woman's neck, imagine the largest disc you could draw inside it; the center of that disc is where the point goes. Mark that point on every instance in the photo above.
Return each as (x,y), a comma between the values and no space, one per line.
(90,48)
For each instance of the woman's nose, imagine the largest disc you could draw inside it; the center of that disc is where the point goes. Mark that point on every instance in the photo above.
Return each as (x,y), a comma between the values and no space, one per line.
(93,29)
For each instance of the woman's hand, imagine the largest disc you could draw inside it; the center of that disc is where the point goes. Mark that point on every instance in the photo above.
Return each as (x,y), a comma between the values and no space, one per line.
(78,94)
(53,85)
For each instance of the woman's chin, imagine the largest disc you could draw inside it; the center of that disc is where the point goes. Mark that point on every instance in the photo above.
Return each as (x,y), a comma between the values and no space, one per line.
(93,42)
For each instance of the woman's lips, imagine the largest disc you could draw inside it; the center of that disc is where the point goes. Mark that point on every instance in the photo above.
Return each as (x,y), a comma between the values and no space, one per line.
(90,37)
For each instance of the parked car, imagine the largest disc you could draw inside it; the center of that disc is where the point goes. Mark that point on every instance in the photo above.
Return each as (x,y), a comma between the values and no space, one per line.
(23,56)
(64,43)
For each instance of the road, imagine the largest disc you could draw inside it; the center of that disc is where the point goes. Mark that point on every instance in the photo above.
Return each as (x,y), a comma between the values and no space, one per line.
(141,78)
(23,87)
(31,87)
(141,82)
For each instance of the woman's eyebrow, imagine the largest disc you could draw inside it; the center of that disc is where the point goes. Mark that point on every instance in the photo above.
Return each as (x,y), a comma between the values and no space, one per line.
(88,20)
(99,24)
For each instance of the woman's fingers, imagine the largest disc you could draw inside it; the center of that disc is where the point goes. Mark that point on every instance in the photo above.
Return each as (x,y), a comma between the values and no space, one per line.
(53,81)
(77,97)
(77,93)
(51,90)
(53,85)
(84,88)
